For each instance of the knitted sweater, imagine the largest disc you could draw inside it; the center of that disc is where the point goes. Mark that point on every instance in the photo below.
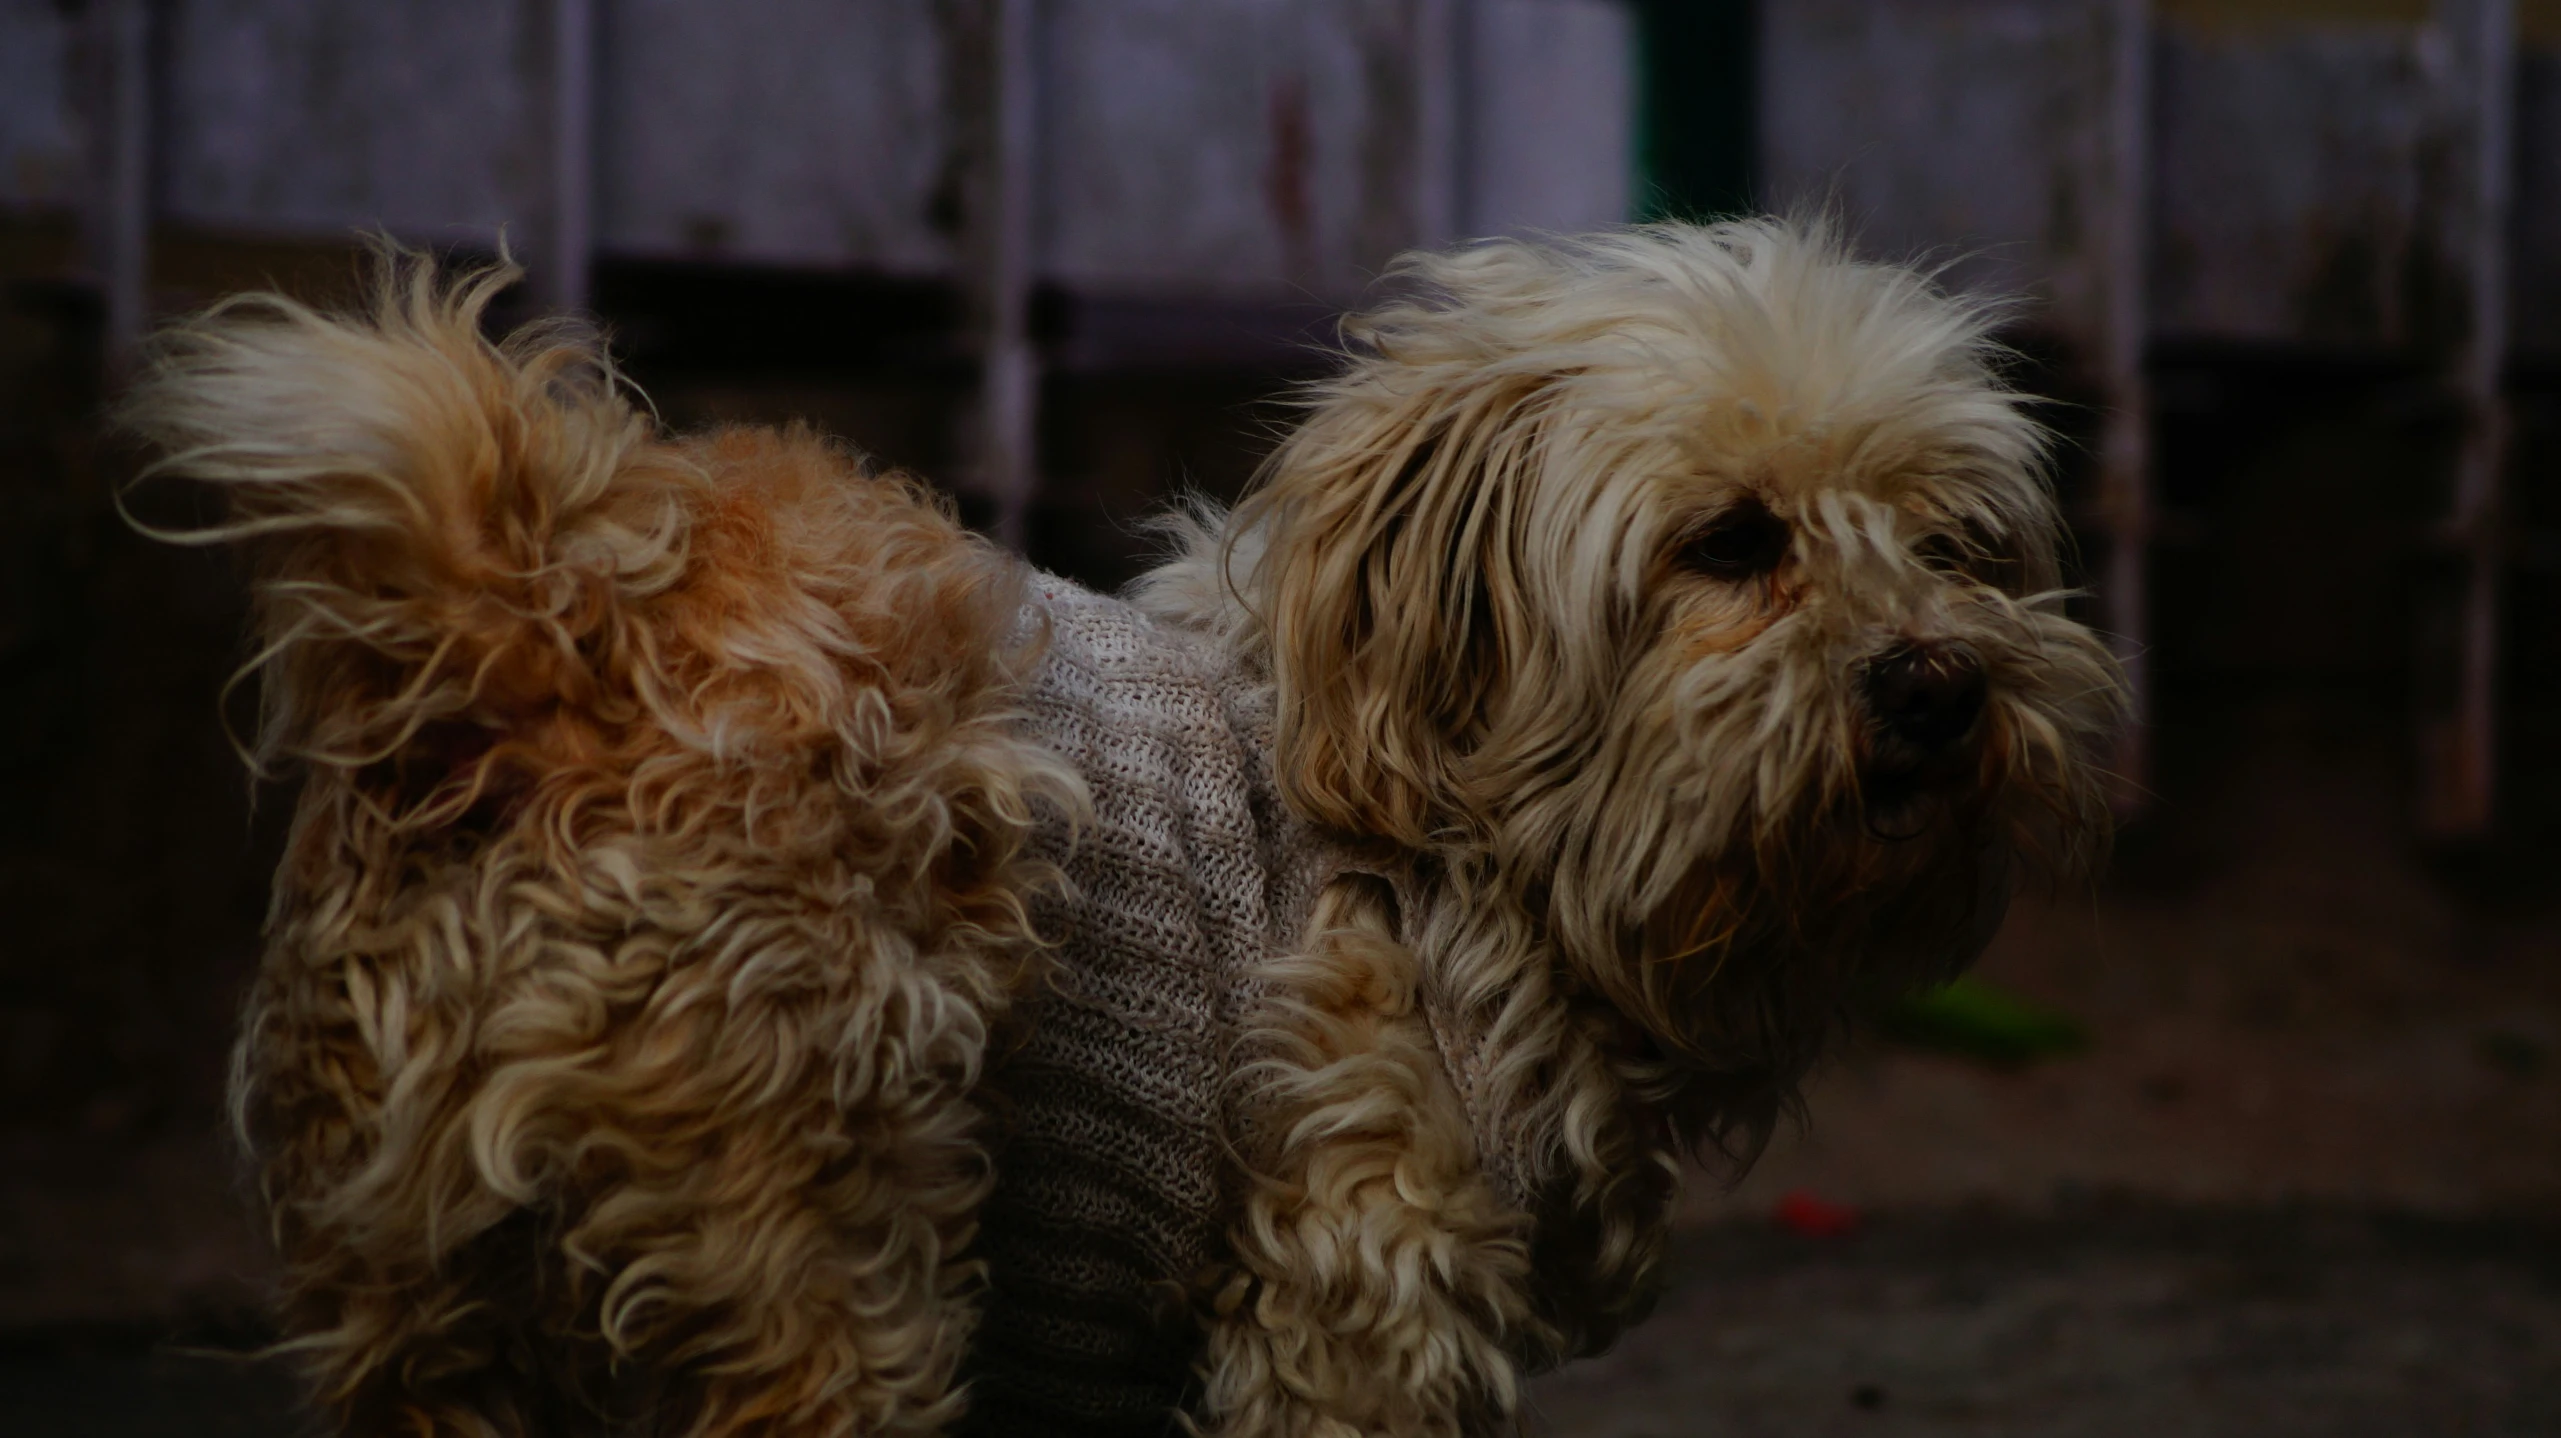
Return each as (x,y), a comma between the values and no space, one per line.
(1113,1171)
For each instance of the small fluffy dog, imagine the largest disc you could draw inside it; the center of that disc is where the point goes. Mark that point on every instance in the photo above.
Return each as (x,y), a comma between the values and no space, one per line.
(753,957)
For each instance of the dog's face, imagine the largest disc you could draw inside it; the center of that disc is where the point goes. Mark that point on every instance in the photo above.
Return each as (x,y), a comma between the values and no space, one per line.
(1705,583)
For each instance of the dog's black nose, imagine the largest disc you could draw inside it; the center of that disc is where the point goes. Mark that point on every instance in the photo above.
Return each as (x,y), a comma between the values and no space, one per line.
(1925,695)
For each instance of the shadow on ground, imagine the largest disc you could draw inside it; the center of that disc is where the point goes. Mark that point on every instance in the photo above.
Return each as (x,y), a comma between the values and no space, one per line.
(2097,1320)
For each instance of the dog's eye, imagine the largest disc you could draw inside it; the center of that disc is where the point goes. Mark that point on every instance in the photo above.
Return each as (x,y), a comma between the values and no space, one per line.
(1946,553)
(1967,552)
(1743,543)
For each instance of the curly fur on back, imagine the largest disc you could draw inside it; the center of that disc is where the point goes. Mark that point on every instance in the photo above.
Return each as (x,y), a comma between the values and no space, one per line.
(656,880)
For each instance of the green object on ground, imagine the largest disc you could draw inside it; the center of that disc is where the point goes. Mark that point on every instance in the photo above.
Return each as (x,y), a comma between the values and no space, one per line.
(1981,1021)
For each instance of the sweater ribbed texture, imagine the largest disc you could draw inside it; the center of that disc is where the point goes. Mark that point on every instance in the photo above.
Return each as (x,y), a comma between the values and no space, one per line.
(1114,1175)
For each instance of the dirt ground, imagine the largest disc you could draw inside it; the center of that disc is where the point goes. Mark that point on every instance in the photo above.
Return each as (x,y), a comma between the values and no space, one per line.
(2287,1003)
(2105,1320)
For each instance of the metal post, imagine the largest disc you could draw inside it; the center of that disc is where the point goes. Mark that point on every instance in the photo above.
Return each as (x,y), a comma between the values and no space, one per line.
(1009,369)
(2459,729)
(2125,437)
(561,273)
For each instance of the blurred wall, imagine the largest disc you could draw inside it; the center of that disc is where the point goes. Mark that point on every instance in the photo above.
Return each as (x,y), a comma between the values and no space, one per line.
(1217,145)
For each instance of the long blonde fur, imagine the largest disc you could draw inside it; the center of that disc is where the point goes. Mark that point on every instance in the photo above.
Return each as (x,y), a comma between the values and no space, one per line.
(656,879)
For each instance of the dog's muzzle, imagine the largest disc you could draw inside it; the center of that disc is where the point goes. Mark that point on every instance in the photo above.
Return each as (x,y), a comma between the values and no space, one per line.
(1925,702)
(1925,697)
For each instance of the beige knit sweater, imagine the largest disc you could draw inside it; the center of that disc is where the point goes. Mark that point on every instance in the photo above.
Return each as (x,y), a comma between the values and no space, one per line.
(1114,1171)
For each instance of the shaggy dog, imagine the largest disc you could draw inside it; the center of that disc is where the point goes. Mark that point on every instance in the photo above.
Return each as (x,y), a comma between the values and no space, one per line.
(753,957)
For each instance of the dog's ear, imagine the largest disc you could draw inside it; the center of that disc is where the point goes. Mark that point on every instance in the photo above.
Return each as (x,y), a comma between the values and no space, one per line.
(1390,592)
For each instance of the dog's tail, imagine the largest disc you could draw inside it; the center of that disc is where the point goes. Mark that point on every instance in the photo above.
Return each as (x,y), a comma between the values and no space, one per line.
(659,873)
(443,521)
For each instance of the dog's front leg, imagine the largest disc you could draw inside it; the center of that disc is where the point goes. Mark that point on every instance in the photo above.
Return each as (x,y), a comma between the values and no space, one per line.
(1381,1280)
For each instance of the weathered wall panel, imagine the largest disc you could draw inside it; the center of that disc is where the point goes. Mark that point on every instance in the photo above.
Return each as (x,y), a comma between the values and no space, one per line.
(320,116)
(1975,131)
(2306,182)
(1227,145)
(1247,148)
(41,155)
(2301,177)
(788,131)
(1551,108)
